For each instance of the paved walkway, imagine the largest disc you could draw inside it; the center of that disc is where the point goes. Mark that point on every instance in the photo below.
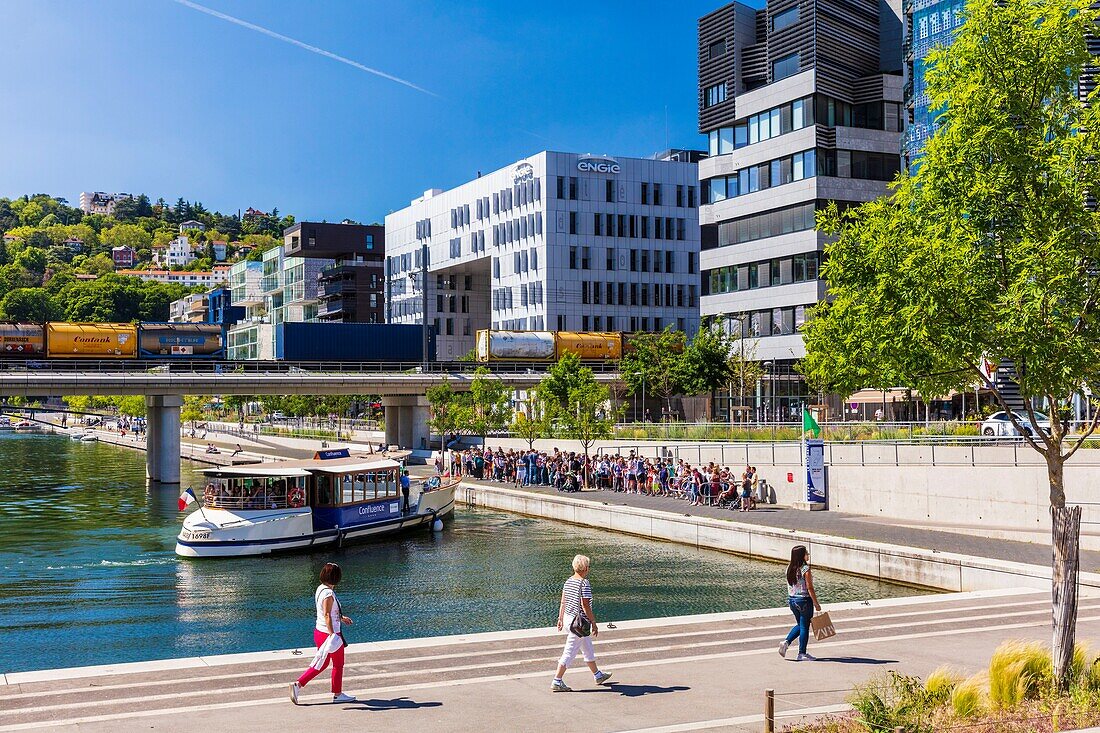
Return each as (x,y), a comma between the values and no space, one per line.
(852,526)
(690,673)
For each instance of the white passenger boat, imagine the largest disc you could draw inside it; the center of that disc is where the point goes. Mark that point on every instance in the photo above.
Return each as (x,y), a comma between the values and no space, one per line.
(262,508)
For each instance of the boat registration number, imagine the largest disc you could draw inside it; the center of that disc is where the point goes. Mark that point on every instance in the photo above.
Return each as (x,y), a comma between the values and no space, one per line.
(187,536)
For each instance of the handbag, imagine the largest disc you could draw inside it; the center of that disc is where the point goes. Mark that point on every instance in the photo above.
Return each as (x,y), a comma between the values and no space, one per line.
(580,625)
(822,626)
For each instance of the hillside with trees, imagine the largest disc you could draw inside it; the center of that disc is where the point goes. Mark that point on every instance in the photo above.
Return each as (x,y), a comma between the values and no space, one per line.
(45,275)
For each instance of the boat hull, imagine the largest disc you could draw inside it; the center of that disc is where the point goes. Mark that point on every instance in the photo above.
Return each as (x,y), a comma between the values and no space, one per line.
(223,533)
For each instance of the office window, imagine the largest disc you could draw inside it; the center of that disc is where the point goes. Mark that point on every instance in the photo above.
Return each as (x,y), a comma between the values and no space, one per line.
(622,293)
(633,260)
(645,193)
(585,262)
(656,194)
(609,190)
(584,323)
(610,259)
(561,323)
(679,196)
(714,94)
(609,224)
(584,292)
(645,260)
(645,227)
(572,258)
(785,66)
(596,290)
(634,293)
(681,229)
(610,294)
(560,189)
(645,294)
(572,222)
(716,49)
(691,262)
(597,323)
(621,229)
(785,18)
(572,188)
(691,197)
(657,259)
(597,225)
(634,226)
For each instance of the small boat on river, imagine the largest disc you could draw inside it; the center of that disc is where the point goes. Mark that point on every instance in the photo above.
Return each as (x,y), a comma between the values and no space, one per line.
(284,506)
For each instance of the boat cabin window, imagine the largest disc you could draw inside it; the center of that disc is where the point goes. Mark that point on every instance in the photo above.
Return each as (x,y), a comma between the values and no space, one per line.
(327,487)
(360,487)
(254,492)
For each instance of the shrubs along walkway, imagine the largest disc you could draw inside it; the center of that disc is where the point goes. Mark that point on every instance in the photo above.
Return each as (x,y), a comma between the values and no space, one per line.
(1014,695)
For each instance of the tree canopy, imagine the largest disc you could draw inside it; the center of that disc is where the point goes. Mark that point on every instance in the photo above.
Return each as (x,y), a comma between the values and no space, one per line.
(988,251)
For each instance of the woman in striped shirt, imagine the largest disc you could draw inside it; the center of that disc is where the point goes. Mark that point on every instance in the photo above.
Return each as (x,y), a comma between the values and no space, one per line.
(576,599)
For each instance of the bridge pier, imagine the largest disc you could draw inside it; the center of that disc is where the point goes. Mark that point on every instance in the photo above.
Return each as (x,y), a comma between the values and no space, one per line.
(407,421)
(162,439)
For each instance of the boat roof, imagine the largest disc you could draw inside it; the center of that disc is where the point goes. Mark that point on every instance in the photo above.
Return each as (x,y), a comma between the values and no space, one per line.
(305,467)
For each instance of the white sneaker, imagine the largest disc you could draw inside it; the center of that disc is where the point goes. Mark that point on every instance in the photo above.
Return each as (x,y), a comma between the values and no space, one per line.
(806,658)
(342,698)
(783,646)
(294,693)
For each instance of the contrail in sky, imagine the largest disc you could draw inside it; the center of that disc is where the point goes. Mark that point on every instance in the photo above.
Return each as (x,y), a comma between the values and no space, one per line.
(300,44)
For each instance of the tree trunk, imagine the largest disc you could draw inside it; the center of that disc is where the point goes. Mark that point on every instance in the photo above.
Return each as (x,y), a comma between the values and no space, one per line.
(1065,536)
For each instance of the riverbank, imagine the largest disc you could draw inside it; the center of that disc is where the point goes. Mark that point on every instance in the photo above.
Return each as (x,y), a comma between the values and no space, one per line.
(670,674)
(847,543)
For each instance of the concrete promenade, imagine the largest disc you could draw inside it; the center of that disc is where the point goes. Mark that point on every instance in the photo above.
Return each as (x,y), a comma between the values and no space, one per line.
(680,674)
(835,524)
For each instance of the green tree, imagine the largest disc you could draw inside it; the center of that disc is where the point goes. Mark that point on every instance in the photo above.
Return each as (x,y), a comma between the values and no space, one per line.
(450,411)
(988,251)
(126,235)
(707,365)
(654,364)
(29,305)
(576,404)
(532,424)
(490,403)
(31,213)
(192,410)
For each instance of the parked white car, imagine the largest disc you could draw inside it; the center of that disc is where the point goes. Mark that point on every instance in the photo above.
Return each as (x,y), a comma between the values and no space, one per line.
(999,424)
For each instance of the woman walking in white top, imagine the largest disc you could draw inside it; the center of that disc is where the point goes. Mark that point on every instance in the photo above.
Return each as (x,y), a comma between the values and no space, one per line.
(802,598)
(328,636)
(576,605)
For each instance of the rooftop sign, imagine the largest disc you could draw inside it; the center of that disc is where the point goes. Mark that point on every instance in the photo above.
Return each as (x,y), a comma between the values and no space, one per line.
(598,164)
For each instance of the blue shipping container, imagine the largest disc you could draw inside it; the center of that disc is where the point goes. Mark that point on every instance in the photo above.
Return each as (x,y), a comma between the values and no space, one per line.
(350,342)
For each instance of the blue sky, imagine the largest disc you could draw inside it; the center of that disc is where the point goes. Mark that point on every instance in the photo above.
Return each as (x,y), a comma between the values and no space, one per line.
(153,96)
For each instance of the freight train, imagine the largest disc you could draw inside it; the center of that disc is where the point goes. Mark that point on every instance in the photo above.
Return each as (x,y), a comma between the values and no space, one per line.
(335,342)
(549,346)
(111,340)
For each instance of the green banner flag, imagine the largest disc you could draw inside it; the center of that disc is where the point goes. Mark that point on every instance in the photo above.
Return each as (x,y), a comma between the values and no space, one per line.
(809,425)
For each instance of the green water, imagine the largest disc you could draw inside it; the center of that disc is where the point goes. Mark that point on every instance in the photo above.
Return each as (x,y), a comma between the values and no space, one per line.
(88,574)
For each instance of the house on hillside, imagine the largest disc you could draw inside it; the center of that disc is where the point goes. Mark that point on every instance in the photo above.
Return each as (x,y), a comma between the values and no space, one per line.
(123,256)
(74,244)
(179,253)
(192,224)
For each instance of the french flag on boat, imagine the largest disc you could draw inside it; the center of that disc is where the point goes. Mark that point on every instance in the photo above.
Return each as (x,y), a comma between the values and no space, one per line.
(187,497)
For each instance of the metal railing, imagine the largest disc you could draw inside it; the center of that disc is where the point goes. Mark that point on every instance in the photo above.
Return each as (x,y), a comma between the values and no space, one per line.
(217,366)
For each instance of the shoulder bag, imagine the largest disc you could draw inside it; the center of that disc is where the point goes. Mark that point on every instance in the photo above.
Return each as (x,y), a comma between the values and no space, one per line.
(580,626)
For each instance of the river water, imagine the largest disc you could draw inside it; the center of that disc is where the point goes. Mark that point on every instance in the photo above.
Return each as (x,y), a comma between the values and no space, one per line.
(88,574)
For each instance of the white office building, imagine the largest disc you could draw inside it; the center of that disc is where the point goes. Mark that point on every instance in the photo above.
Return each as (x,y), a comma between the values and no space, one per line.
(556,241)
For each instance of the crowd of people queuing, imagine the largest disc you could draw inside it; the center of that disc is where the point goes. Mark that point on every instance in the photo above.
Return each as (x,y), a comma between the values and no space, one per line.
(632,474)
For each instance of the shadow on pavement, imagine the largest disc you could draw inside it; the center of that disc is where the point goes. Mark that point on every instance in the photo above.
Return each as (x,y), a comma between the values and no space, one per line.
(637,690)
(856,660)
(398,703)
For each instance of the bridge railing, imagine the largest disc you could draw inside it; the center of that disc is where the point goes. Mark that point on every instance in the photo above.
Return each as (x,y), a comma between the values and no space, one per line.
(199,366)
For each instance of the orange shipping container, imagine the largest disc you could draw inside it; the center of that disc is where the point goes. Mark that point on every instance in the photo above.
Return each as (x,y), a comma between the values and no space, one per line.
(590,344)
(91,340)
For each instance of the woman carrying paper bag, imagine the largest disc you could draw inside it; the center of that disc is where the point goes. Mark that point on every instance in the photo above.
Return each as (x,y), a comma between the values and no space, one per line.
(802,600)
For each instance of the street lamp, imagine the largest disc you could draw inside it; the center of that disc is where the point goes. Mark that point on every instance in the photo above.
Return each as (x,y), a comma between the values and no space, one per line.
(730,320)
(642,375)
(768,389)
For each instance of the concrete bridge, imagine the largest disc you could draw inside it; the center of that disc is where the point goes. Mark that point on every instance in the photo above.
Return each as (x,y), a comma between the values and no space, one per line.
(401,386)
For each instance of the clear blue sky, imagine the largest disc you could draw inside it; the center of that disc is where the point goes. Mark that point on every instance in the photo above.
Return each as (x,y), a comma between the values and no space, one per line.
(156,97)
